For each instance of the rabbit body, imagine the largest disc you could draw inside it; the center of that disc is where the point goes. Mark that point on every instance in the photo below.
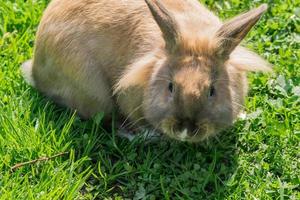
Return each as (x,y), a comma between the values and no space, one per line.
(97,55)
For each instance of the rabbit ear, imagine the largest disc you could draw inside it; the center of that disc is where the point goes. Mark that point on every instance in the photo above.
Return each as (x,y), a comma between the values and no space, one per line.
(234,31)
(165,21)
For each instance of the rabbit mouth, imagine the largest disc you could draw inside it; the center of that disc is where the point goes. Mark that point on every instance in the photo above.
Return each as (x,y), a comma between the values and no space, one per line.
(202,132)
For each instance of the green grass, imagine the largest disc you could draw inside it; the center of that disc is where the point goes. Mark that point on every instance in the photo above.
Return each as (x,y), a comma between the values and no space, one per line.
(259,158)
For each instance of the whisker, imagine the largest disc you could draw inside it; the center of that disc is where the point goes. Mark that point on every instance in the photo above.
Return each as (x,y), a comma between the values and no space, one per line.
(240,105)
(164,77)
(157,126)
(133,123)
(195,133)
(165,80)
(130,114)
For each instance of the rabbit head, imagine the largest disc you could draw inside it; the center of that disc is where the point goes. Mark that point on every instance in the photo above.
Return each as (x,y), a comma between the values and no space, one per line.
(196,90)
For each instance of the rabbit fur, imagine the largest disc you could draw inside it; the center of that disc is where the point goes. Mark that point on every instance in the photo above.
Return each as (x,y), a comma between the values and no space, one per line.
(169,64)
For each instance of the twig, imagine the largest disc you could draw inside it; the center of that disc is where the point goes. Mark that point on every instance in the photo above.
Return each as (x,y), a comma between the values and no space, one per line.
(19,165)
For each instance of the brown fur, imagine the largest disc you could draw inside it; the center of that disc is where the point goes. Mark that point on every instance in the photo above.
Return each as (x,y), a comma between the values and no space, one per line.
(92,55)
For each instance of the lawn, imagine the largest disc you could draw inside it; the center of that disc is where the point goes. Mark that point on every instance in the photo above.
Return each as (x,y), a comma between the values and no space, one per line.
(258,158)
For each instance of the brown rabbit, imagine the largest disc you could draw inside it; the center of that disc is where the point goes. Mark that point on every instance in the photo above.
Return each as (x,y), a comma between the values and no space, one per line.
(171,64)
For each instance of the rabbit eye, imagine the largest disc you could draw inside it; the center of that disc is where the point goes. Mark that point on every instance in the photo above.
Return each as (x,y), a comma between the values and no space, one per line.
(212,91)
(171,87)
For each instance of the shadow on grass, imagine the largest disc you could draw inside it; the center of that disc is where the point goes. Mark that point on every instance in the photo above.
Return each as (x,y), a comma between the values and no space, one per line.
(141,170)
